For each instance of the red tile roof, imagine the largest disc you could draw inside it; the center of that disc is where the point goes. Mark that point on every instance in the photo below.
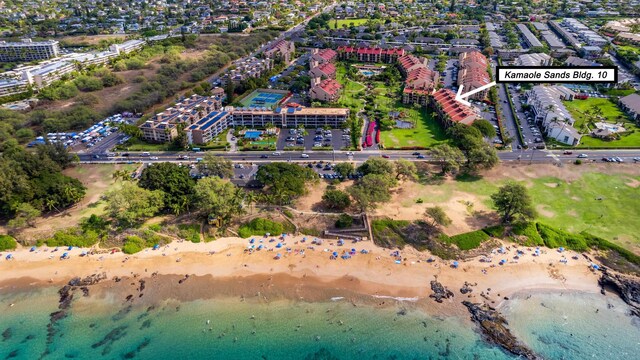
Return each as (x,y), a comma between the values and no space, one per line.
(327,54)
(456,111)
(330,86)
(327,68)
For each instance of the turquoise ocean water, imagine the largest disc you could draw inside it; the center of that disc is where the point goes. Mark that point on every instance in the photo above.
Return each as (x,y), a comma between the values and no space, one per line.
(557,326)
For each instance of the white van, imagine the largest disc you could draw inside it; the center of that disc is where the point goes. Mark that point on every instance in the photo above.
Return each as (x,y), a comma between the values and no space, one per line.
(304,156)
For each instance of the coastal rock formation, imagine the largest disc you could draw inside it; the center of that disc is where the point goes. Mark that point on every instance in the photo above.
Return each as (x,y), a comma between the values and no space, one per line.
(627,287)
(439,291)
(466,288)
(493,326)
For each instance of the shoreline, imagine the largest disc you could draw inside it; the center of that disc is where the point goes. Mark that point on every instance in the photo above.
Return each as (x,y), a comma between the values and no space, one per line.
(304,272)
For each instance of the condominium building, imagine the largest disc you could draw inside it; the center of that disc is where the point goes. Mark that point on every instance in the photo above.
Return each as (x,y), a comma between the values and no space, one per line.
(327,90)
(450,111)
(282,49)
(290,117)
(367,54)
(210,126)
(551,114)
(127,46)
(27,50)
(528,36)
(321,56)
(540,59)
(473,73)
(163,126)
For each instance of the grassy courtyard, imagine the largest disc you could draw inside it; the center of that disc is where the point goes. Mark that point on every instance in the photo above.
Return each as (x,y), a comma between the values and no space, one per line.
(352,92)
(612,114)
(426,133)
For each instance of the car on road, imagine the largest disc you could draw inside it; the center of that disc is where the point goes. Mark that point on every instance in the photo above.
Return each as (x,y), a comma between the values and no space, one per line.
(420,157)
(153,158)
(568,152)
(349,153)
(277,153)
(583,156)
(386,156)
(264,156)
(415,154)
(304,156)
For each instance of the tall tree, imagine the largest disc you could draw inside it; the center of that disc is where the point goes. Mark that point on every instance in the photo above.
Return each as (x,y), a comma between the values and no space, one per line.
(173,180)
(406,169)
(131,204)
(215,166)
(285,181)
(513,202)
(219,198)
(336,199)
(449,158)
(438,216)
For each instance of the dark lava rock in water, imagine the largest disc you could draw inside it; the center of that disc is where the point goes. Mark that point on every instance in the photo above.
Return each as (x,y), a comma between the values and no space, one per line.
(493,327)
(322,354)
(627,287)
(6,335)
(439,291)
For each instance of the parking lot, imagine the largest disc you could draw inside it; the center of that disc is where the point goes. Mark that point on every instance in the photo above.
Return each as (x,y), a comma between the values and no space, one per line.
(530,131)
(334,139)
(450,73)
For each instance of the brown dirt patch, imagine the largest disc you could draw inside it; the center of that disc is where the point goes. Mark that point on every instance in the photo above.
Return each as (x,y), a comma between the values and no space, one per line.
(542,210)
(634,183)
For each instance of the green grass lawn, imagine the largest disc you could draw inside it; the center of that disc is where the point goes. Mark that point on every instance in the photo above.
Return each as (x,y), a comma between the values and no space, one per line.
(352,91)
(428,131)
(569,205)
(337,24)
(613,115)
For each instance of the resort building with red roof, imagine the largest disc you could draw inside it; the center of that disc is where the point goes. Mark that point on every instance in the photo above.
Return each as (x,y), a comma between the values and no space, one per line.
(368,54)
(450,111)
(473,73)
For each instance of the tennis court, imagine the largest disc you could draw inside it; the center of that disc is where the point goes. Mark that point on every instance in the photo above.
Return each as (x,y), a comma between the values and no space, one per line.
(263,98)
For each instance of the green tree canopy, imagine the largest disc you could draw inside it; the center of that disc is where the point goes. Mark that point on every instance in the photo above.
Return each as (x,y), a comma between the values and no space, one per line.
(438,216)
(132,204)
(371,190)
(285,181)
(173,180)
(345,169)
(406,169)
(219,198)
(485,128)
(449,158)
(336,199)
(213,165)
(513,202)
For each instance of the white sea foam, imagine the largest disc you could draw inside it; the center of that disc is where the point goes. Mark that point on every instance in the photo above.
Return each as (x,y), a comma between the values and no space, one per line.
(412,299)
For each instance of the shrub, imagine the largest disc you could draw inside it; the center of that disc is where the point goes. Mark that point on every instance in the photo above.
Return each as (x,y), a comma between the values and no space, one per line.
(7,243)
(260,226)
(578,162)
(419,201)
(73,237)
(496,231)
(554,238)
(189,232)
(133,244)
(287,213)
(470,240)
(529,230)
(344,221)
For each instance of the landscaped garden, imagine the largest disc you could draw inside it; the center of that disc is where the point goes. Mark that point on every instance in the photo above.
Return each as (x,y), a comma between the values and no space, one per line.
(587,112)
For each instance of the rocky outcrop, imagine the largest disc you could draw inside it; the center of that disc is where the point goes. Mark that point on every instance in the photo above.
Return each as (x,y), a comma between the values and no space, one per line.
(626,287)
(439,291)
(493,327)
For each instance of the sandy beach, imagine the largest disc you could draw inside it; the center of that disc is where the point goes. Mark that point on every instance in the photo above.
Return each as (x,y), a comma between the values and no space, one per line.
(304,271)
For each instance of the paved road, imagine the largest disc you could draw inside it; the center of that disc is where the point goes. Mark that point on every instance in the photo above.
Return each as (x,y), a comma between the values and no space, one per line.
(360,156)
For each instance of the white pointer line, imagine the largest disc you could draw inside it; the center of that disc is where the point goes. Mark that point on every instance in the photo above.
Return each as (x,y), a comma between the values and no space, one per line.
(460,97)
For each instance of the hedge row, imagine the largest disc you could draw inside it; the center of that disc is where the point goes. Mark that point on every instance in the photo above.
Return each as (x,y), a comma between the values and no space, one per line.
(468,241)
(260,226)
